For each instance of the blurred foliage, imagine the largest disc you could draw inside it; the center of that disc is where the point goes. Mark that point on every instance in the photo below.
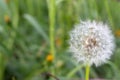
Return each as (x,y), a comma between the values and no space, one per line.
(25,45)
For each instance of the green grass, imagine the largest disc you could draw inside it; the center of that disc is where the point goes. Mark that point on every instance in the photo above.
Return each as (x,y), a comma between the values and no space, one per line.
(37,28)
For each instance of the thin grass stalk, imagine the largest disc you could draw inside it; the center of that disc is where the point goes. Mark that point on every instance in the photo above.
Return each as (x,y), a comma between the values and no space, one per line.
(67,21)
(51,8)
(38,6)
(78,10)
(86,9)
(69,13)
(72,72)
(96,7)
(106,3)
(30,6)
(15,21)
(2,66)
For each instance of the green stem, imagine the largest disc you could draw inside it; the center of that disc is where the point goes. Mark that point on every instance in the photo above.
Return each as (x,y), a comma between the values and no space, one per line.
(87,72)
(51,7)
(96,8)
(15,20)
(30,6)
(106,3)
(2,66)
(72,72)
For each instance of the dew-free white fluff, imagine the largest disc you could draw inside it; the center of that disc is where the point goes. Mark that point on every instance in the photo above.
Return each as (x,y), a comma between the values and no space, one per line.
(91,42)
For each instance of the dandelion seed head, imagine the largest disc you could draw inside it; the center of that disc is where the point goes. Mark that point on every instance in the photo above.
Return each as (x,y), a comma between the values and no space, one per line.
(91,42)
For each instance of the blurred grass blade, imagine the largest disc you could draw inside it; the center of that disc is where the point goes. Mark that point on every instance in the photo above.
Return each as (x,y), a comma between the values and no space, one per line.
(2,64)
(58,2)
(5,50)
(36,25)
(108,10)
(115,69)
(72,72)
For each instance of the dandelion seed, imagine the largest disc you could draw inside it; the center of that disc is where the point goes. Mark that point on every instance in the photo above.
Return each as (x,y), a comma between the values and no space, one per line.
(91,42)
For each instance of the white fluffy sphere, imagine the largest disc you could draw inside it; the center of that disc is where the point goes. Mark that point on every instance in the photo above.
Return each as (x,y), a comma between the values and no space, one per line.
(91,42)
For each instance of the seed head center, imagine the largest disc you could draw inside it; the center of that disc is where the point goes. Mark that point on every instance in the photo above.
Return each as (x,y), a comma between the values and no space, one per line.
(90,43)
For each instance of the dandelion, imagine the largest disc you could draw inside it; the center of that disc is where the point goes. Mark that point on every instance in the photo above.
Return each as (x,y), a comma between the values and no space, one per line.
(91,42)
(49,58)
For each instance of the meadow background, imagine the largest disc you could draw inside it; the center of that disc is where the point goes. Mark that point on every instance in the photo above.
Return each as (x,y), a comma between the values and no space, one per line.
(34,38)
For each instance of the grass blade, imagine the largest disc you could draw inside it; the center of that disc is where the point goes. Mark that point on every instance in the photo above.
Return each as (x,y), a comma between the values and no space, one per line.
(37,26)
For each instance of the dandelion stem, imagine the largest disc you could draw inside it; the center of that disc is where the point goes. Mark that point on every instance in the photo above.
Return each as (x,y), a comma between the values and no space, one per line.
(87,72)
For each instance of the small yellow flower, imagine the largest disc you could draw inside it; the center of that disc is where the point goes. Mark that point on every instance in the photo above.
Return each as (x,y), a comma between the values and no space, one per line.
(7,18)
(117,33)
(50,58)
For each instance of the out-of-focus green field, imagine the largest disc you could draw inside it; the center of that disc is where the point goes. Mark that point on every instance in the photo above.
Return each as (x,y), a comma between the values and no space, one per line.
(34,38)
